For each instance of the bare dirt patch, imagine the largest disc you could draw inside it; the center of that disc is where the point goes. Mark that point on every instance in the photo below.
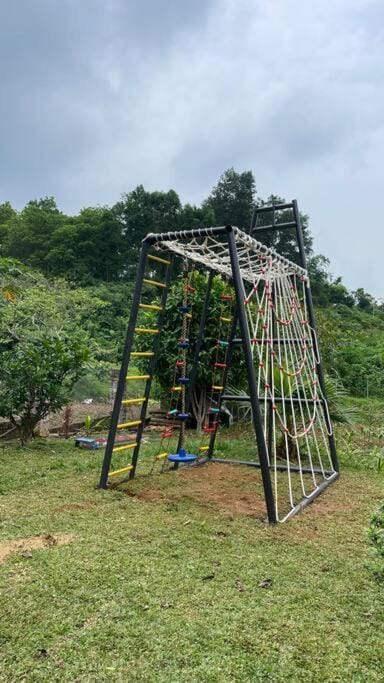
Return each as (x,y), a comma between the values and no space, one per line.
(228,488)
(25,545)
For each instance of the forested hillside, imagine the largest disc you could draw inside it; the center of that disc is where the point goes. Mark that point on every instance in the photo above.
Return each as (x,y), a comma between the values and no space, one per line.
(95,253)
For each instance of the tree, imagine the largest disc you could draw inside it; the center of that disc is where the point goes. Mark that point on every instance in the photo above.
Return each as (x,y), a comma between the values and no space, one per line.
(141,212)
(364,300)
(171,332)
(87,247)
(43,346)
(196,217)
(233,199)
(30,232)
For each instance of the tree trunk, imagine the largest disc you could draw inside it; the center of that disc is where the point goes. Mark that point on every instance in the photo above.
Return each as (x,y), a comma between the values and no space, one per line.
(25,427)
(199,406)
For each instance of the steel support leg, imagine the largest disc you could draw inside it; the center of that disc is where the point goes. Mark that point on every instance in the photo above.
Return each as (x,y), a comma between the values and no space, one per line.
(252,381)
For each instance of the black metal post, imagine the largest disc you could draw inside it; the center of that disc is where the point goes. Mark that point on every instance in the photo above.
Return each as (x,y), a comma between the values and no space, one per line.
(252,381)
(312,322)
(124,366)
(151,370)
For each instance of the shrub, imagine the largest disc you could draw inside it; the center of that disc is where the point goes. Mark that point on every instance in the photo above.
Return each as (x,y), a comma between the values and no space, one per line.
(376,538)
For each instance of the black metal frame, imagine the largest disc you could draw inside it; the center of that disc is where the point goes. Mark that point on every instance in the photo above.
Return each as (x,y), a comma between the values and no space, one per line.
(239,318)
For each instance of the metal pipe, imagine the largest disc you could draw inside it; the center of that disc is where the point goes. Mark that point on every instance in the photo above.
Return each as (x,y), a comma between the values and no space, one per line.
(277,399)
(280,468)
(252,381)
(308,500)
(275,226)
(274,207)
(154,237)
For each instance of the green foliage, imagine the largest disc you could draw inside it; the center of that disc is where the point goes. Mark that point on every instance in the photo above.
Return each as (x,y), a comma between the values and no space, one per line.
(29,232)
(233,199)
(44,349)
(352,344)
(94,384)
(376,539)
(171,333)
(87,247)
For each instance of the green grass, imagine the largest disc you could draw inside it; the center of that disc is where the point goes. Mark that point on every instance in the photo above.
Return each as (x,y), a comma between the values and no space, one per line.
(129,599)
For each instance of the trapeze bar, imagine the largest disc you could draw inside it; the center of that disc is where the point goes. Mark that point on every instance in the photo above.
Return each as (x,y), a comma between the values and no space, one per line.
(273,207)
(280,468)
(277,226)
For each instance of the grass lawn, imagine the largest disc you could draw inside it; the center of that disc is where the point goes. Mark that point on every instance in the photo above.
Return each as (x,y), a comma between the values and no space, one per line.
(178,581)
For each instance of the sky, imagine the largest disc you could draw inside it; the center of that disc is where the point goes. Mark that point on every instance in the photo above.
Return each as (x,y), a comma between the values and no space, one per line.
(98,96)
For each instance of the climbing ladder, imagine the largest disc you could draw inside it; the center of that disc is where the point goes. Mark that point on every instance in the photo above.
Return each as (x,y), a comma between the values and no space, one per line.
(121,399)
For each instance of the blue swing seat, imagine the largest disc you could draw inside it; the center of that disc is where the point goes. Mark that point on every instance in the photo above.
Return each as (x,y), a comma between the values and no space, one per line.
(182,456)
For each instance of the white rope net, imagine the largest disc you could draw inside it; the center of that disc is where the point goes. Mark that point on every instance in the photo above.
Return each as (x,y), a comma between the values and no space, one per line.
(295,414)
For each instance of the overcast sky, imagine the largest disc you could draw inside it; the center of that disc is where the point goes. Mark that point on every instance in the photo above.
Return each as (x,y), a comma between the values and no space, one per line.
(98,96)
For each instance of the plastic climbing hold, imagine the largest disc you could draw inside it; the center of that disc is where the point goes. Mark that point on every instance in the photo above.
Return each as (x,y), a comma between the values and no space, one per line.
(185,309)
(183,380)
(182,456)
(183,416)
(184,344)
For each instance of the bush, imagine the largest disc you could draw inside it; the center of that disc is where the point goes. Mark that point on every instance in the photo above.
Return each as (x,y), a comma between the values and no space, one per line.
(376,538)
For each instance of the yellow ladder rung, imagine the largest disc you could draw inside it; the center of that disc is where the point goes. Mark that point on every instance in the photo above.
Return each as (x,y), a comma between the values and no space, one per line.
(176,389)
(158,259)
(203,448)
(154,283)
(124,448)
(133,377)
(146,330)
(225,320)
(147,354)
(151,307)
(123,425)
(217,387)
(131,401)
(161,455)
(123,469)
